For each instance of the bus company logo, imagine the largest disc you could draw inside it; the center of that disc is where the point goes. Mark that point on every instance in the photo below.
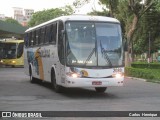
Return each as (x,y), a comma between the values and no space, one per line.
(6,114)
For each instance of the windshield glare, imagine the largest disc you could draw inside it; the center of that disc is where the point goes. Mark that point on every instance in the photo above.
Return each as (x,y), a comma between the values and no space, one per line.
(93,44)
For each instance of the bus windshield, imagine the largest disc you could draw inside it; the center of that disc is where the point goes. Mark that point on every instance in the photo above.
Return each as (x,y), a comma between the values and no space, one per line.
(93,44)
(8,50)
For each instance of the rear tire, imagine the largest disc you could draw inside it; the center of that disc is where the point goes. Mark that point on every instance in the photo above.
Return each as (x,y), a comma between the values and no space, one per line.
(56,87)
(101,89)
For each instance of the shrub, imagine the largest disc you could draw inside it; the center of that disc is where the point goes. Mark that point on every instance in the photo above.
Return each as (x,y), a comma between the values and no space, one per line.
(139,73)
(146,65)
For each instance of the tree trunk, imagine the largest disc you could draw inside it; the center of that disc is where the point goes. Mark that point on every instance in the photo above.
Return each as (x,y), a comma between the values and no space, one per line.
(129,56)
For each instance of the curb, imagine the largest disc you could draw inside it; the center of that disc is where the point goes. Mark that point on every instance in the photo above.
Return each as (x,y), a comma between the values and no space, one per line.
(141,79)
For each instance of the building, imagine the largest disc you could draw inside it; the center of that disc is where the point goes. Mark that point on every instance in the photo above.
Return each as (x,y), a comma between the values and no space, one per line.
(28,13)
(22,15)
(18,14)
(2,16)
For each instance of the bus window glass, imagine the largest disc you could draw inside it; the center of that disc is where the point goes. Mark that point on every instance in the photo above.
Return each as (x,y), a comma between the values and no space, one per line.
(36,37)
(81,43)
(47,35)
(42,36)
(39,36)
(33,38)
(93,44)
(53,33)
(9,51)
(109,44)
(20,50)
(26,40)
(60,42)
(1,50)
(30,39)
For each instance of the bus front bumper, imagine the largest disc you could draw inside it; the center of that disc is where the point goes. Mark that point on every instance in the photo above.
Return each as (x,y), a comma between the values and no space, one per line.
(93,82)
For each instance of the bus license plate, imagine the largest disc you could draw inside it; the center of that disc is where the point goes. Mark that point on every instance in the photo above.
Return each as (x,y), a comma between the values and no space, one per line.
(96,83)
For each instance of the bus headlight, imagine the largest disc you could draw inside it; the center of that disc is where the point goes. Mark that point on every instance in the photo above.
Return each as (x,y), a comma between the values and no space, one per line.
(74,75)
(1,61)
(118,75)
(13,61)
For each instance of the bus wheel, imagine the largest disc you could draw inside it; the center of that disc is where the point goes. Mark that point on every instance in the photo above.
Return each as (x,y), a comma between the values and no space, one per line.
(32,79)
(56,87)
(101,89)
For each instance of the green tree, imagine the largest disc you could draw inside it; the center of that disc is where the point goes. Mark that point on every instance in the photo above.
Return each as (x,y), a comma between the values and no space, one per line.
(13,21)
(99,13)
(45,15)
(128,12)
(111,5)
(148,29)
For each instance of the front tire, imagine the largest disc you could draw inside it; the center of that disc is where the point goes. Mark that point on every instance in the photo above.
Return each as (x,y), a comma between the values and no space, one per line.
(56,87)
(101,89)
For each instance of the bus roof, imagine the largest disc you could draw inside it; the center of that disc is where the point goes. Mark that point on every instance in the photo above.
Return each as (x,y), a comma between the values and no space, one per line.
(77,18)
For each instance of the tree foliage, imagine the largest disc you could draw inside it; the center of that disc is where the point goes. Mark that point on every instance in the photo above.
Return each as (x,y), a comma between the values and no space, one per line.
(13,21)
(45,15)
(137,18)
(148,29)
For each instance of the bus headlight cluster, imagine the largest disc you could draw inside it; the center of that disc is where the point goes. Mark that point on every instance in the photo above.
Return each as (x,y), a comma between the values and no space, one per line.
(1,61)
(13,61)
(118,75)
(74,75)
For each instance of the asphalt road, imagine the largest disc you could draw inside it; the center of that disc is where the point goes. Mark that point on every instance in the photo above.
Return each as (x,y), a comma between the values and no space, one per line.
(18,94)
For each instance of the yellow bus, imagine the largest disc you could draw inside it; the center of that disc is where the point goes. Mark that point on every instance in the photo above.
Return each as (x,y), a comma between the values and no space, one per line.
(11,52)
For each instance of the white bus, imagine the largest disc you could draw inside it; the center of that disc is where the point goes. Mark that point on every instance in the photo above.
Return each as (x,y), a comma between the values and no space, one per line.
(76,51)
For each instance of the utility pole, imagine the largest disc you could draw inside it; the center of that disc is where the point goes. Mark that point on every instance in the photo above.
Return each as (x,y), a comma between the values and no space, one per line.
(149,47)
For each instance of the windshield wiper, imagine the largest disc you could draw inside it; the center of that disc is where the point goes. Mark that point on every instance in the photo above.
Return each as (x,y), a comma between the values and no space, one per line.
(104,52)
(90,55)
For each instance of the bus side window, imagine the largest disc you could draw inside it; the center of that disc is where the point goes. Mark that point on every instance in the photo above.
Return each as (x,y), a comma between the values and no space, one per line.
(53,33)
(42,36)
(30,39)
(60,42)
(36,37)
(26,39)
(50,33)
(39,36)
(47,35)
(33,38)
(20,50)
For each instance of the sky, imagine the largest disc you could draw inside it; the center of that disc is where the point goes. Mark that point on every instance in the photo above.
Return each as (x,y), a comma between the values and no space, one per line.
(6,6)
